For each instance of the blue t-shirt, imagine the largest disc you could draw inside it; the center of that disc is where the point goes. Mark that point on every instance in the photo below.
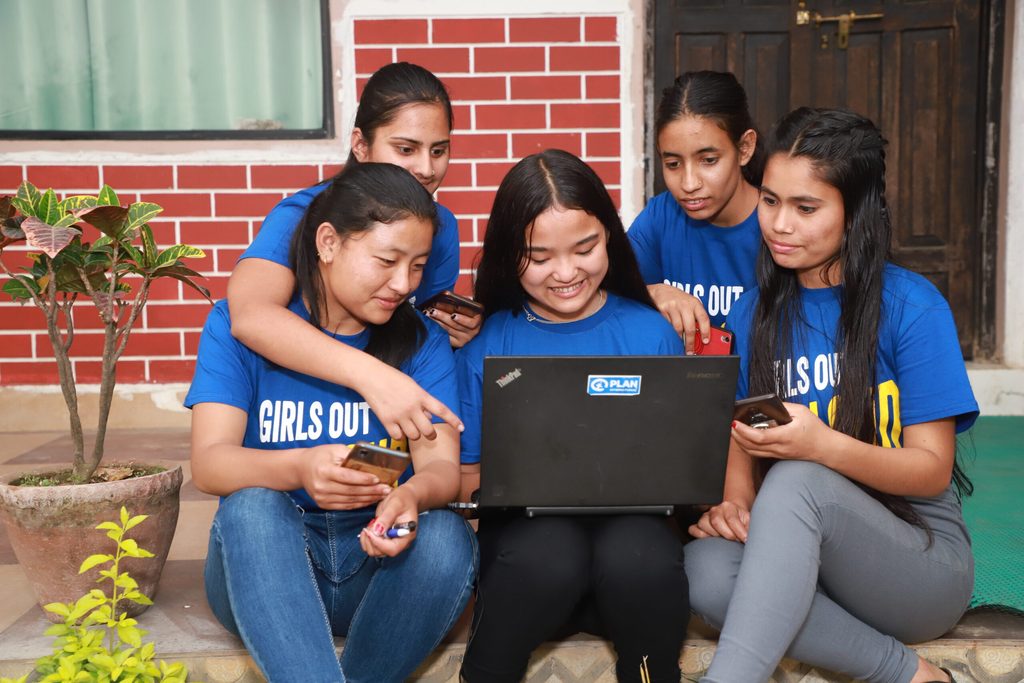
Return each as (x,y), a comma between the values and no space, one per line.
(714,264)
(275,237)
(622,327)
(288,409)
(920,370)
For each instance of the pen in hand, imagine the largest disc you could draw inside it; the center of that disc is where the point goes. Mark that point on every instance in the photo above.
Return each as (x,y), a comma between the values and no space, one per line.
(401,529)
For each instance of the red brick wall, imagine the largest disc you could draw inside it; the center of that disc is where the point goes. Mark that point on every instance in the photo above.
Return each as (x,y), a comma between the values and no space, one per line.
(518,84)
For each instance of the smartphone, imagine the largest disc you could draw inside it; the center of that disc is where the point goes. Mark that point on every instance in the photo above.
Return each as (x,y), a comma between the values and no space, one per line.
(719,344)
(386,463)
(450,302)
(761,412)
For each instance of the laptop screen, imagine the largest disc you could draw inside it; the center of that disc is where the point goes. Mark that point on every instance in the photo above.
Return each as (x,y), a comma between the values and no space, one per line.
(599,431)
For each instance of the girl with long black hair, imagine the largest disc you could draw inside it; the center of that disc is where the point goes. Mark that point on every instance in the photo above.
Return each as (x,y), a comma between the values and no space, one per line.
(853,543)
(299,548)
(557,277)
(697,241)
(404,118)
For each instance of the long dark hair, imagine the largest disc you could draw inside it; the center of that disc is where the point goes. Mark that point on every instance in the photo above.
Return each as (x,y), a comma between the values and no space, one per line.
(719,97)
(392,87)
(355,200)
(537,183)
(847,151)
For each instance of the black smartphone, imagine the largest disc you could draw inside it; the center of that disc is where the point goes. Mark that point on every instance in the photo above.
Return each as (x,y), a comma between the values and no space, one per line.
(450,302)
(761,412)
(386,463)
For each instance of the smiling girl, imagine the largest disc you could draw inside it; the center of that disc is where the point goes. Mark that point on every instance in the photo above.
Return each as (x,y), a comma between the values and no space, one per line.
(697,241)
(404,118)
(557,277)
(854,543)
(298,548)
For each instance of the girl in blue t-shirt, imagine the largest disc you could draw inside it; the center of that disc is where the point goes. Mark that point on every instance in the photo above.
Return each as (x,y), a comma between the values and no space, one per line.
(697,242)
(854,542)
(557,277)
(301,547)
(404,118)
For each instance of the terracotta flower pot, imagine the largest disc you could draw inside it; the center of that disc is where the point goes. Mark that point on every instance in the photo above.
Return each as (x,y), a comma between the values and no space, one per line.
(53,528)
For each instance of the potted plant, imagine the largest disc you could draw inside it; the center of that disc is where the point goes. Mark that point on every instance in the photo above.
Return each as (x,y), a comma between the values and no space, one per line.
(46,514)
(97,640)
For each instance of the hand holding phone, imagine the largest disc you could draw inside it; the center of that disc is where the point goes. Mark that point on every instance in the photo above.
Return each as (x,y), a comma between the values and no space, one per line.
(719,344)
(450,302)
(387,464)
(761,412)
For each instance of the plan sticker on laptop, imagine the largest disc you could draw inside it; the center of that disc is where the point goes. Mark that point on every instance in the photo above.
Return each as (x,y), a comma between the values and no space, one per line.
(613,385)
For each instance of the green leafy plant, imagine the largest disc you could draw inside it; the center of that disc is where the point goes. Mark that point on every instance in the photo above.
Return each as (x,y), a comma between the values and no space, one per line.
(65,270)
(80,654)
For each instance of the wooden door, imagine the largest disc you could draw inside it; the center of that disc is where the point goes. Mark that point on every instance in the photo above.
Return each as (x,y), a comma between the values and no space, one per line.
(917,71)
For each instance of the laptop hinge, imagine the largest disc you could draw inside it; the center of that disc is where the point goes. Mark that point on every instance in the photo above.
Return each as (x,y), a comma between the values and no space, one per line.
(663,510)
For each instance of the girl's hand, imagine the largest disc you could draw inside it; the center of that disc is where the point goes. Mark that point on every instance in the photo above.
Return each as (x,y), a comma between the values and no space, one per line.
(398,506)
(726,520)
(801,439)
(402,406)
(461,327)
(684,311)
(334,487)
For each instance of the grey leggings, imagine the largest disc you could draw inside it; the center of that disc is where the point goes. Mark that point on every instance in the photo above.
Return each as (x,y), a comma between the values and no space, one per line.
(829,577)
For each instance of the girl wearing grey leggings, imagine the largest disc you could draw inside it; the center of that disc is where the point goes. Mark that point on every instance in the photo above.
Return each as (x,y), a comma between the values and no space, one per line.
(851,542)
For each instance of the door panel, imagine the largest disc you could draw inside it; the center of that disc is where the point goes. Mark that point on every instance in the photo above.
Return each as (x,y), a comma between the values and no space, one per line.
(914,71)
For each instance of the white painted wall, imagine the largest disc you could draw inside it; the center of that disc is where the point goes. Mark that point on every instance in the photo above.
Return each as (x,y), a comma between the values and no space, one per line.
(1000,387)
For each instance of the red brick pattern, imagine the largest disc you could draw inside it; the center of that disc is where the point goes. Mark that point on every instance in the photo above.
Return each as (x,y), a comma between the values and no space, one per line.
(519,84)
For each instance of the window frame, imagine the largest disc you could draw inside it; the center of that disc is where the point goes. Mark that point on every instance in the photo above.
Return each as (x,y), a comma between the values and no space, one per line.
(325,131)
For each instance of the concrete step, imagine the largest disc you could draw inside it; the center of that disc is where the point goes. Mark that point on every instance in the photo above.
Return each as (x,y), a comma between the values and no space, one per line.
(986,647)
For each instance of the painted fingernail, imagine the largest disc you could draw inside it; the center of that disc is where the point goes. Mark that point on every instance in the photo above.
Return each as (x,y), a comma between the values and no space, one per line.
(734,424)
(378,529)
(453,316)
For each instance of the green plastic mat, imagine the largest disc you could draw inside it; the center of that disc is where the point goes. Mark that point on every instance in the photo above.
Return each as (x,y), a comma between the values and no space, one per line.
(995,513)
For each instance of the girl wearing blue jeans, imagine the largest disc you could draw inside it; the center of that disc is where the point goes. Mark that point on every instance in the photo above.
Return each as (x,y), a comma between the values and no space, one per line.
(557,277)
(854,542)
(299,550)
(404,118)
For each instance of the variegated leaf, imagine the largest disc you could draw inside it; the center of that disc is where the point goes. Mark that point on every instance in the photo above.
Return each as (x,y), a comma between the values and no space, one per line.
(48,208)
(109,220)
(47,238)
(178,251)
(107,197)
(141,213)
(11,228)
(148,247)
(77,202)
(27,192)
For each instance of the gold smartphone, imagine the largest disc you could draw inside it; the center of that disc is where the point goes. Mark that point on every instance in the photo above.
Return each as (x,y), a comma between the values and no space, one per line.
(387,464)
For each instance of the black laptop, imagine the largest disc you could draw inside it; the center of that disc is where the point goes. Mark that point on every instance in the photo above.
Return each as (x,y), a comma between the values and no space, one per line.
(605,434)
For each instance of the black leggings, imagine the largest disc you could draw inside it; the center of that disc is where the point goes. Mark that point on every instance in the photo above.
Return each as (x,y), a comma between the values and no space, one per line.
(618,577)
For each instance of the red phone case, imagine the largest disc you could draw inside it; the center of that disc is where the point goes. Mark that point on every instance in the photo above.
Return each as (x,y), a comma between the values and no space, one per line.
(720,343)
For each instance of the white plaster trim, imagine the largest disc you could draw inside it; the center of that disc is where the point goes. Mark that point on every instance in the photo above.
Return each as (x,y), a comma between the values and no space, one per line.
(473,10)
(1012,244)
(169,152)
(998,390)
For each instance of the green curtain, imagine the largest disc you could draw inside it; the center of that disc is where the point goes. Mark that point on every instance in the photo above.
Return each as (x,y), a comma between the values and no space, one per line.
(107,65)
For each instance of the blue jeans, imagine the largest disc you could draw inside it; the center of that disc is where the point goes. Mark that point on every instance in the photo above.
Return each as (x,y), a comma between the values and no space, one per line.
(286,580)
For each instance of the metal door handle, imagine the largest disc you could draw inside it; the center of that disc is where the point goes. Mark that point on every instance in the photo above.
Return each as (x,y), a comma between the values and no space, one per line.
(845,21)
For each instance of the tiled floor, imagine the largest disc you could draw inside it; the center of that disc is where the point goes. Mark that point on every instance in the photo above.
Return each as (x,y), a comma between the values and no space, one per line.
(987,646)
